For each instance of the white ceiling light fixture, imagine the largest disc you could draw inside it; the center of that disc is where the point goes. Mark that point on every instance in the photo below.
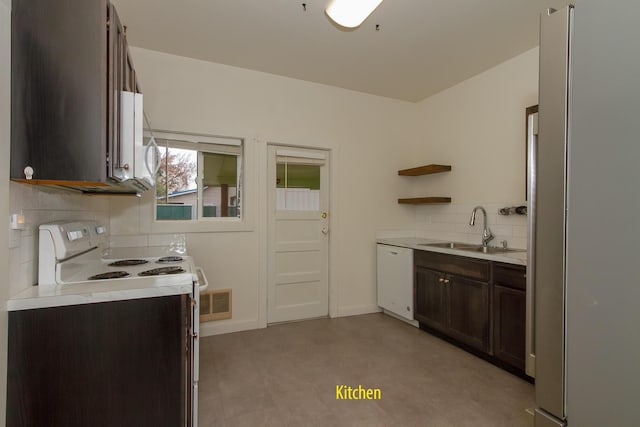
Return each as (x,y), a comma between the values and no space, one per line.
(351,13)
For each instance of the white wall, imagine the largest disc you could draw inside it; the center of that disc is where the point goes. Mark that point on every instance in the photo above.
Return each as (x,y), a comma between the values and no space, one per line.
(478,127)
(5,102)
(364,132)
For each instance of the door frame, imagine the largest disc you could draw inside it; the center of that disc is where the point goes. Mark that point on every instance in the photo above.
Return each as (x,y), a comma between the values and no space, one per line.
(263,158)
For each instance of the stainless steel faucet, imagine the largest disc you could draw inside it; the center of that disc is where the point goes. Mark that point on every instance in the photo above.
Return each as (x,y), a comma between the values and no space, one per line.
(487,235)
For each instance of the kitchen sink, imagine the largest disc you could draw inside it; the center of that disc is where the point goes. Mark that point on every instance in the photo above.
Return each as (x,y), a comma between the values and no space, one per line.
(448,245)
(471,247)
(489,249)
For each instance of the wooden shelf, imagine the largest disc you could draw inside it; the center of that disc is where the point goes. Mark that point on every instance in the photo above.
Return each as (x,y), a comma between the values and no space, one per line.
(424,170)
(424,200)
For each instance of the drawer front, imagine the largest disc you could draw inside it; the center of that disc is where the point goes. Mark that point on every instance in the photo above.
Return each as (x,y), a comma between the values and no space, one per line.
(462,266)
(511,276)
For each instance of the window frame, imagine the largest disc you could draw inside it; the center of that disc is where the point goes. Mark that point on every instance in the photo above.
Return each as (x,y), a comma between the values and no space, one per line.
(212,144)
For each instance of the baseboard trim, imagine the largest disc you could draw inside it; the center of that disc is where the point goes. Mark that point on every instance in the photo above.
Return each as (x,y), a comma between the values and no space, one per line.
(225,327)
(356,310)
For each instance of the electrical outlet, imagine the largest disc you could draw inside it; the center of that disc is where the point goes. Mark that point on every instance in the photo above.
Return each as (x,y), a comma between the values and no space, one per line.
(17,222)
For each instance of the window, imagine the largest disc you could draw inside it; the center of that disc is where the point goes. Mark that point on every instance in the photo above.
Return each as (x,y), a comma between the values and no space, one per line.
(199,177)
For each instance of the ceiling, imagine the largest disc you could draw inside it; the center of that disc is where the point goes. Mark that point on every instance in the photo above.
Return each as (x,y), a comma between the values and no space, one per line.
(421,47)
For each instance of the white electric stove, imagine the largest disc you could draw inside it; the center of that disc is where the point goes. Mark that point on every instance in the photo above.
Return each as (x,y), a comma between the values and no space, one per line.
(73,252)
(76,266)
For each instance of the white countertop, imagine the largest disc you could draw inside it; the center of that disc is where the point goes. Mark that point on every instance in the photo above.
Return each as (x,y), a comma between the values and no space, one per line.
(417,243)
(102,291)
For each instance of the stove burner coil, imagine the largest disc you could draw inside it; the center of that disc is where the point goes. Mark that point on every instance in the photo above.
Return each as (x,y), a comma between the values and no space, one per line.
(169,259)
(128,262)
(162,271)
(109,275)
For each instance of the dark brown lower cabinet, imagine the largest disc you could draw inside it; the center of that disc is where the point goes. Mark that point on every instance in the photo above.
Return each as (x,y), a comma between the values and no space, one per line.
(122,363)
(453,305)
(478,304)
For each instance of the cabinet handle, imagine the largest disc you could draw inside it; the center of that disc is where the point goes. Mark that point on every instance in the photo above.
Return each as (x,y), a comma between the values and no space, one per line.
(440,280)
(446,281)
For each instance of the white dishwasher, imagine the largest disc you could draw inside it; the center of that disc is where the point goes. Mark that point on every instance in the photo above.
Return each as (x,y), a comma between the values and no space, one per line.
(395,281)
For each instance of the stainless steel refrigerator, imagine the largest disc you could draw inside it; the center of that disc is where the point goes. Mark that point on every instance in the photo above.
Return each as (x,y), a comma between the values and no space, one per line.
(583,323)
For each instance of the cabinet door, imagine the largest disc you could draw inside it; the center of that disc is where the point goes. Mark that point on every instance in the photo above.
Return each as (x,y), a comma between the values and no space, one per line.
(122,363)
(430,303)
(509,325)
(468,310)
(58,95)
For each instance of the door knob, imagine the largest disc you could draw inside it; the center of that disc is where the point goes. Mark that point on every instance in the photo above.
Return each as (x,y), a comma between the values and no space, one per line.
(325,230)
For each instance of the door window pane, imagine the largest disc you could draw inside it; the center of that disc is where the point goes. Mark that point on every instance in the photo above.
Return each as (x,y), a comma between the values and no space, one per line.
(297,186)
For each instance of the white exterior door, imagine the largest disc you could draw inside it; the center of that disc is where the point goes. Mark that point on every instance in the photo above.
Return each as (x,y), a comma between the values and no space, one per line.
(298,258)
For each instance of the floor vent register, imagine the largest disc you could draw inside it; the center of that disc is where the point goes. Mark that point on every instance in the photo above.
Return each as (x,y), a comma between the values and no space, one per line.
(215,304)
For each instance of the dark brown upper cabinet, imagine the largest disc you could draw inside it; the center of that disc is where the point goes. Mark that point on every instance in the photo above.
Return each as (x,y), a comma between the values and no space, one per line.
(70,75)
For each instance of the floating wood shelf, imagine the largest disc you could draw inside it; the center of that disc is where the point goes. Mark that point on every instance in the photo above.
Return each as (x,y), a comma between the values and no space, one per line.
(424,170)
(424,200)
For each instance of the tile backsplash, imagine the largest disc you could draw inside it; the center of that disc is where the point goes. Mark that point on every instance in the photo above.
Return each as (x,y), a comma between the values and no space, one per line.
(41,205)
(451,222)
(171,242)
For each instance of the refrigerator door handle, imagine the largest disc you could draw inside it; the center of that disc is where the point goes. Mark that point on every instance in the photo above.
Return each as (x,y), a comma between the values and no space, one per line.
(532,149)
